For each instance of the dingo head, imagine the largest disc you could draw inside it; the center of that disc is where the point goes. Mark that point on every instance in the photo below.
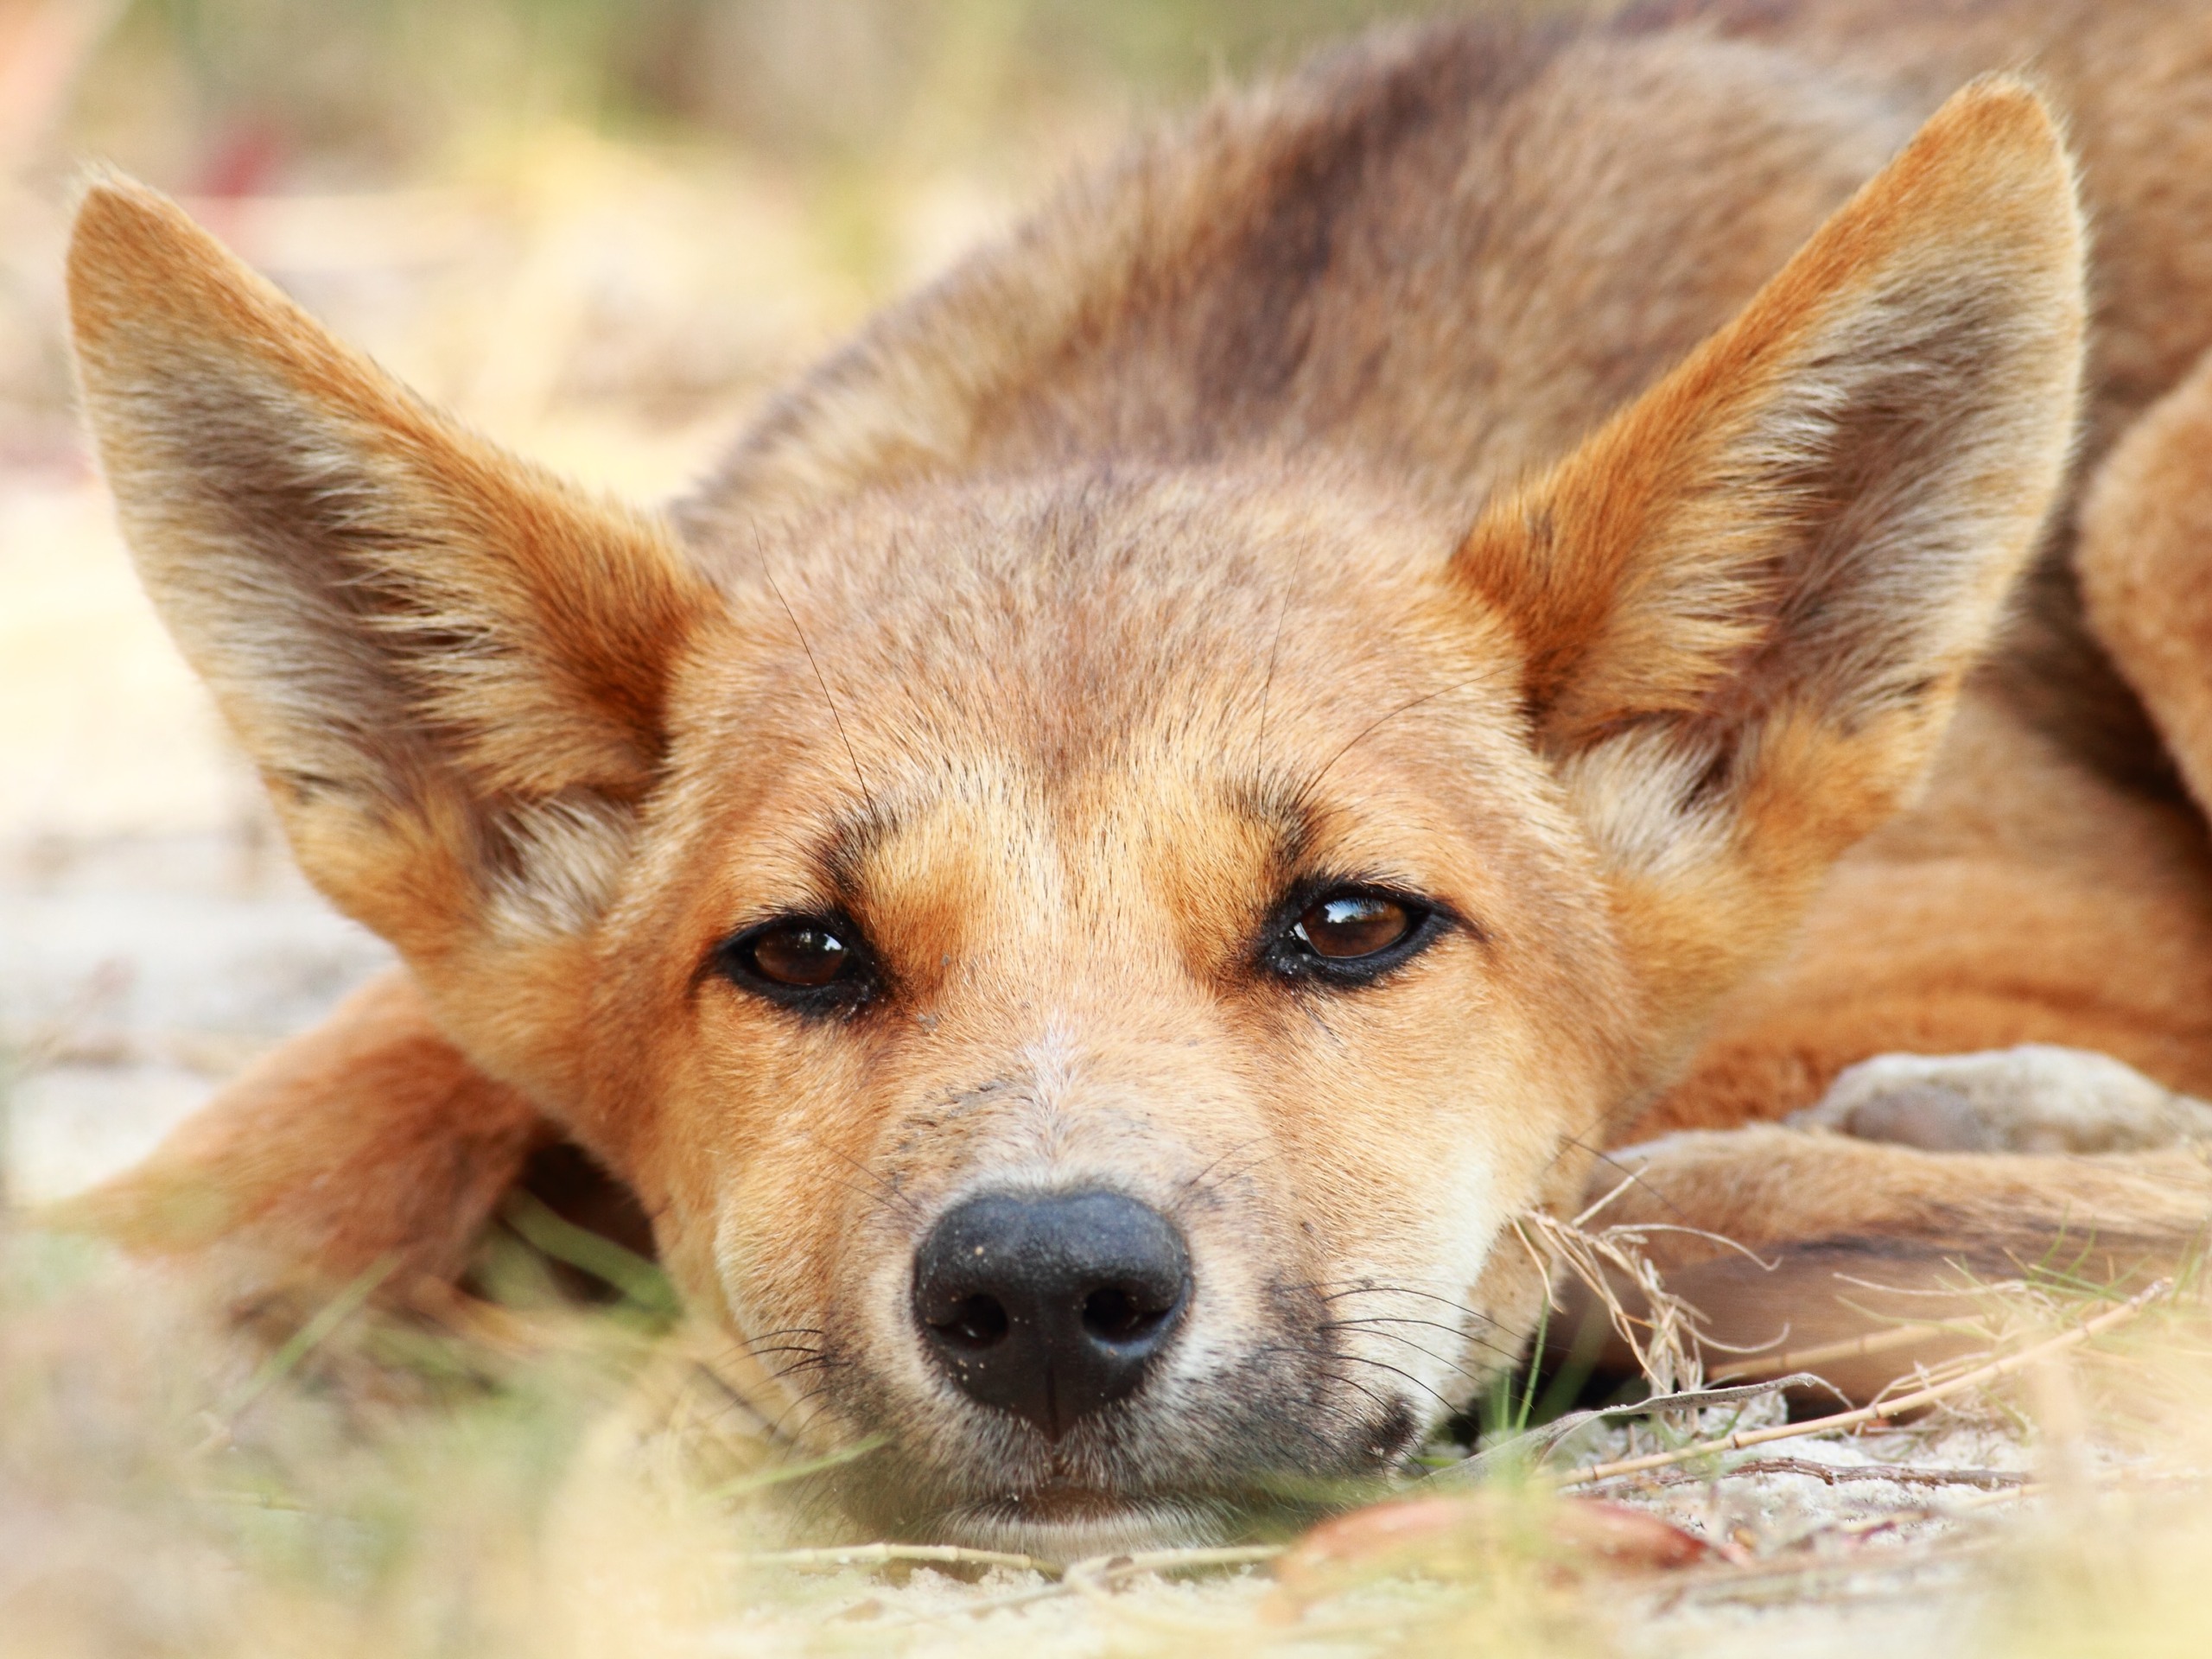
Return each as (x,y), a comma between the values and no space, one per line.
(1084,961)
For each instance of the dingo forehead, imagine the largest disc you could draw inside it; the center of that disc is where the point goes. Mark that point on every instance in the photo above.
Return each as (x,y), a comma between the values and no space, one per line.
(1094,627)
(1103,686)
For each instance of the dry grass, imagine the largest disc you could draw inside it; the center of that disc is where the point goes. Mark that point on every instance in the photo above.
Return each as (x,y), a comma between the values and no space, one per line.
(524,1477)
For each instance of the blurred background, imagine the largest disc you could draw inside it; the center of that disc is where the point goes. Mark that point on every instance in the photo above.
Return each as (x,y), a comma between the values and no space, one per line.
(598,229)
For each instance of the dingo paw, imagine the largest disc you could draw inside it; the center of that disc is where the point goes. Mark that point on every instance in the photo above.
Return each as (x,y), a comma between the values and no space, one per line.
(2035,1098)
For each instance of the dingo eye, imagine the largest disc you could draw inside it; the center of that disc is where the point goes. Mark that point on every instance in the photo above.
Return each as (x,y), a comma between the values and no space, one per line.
(1346,926)
(812,963)
(1353,935)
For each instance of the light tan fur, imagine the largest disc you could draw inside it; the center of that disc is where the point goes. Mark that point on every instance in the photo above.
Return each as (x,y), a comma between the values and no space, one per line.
(1574,475)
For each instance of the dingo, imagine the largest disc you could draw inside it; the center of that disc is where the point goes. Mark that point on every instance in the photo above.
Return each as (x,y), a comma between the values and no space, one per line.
(1207,761)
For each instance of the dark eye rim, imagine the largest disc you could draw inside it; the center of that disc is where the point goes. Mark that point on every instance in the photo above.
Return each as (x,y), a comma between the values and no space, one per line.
(1285,955)
(732,959)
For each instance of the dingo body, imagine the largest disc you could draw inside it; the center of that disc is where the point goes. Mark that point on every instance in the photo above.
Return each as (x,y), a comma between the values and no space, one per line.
(1223,751)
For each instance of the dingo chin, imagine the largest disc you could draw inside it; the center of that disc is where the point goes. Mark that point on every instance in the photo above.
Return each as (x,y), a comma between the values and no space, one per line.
(1208,763)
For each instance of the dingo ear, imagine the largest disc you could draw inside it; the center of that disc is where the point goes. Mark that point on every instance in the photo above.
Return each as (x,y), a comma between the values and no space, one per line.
(1748,601)
(448,667)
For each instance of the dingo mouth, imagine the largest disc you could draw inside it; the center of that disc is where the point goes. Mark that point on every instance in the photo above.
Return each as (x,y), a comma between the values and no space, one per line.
(1063,1527)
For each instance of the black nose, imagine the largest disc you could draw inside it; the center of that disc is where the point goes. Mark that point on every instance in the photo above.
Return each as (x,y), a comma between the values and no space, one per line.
(1050,1304)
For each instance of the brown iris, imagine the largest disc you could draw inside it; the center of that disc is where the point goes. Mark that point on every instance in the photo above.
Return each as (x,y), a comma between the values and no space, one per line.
(1345,926)
(803,955)
(817,965)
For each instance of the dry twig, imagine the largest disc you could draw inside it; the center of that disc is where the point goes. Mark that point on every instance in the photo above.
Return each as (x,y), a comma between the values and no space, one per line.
(1665,1341)
(1807,1359)
(1535,1445)
(1831,1474)
(885,1554)
(1896,1407)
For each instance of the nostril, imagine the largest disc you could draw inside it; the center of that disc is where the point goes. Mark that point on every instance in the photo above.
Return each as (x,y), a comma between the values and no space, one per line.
(1122,1315)
(1050,1304)
(976,1322)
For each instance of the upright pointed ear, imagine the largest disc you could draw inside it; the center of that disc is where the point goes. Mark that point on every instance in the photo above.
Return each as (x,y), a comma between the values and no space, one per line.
(448,667)
(1747,602)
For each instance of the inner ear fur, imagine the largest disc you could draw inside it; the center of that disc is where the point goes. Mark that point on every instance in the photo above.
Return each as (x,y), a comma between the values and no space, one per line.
(1748,601)
(449,666)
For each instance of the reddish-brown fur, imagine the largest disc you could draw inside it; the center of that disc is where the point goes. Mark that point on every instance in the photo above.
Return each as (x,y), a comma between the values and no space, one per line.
(407,1135)
(1510,465)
